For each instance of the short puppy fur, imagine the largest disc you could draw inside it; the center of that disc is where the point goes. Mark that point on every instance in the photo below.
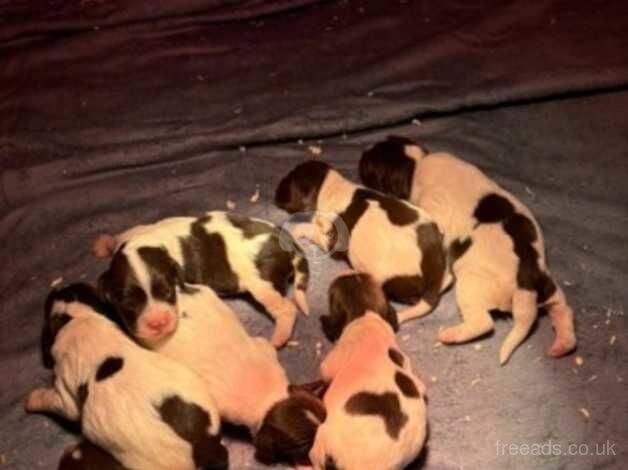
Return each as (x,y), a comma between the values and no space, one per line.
(230,253)
(398,244)
(495,244)
(147,411)
(244,375)
(376,411)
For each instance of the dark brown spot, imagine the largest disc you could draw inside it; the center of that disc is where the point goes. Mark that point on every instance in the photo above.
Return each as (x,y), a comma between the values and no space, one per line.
(396,356)
(404,289)
(288,430)
(330,463)
(433,260)
(191,423)
(385,405)
(350,297)
(205,259)
(406,385)
(109,367)
(494,208)
(250,228)
(298,190)
(385,167)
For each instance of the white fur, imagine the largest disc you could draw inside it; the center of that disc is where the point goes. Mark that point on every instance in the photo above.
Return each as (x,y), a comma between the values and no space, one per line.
(360,362)
(242,372)
(376,246)
(486,276)
(119,414)
(241,254)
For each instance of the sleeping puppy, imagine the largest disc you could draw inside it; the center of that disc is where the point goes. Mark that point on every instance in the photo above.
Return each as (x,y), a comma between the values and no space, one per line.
(376,413)
(499,260)
(244,375)
(350,296)
(87,456)
(148,411)
(398,244)
(230,253)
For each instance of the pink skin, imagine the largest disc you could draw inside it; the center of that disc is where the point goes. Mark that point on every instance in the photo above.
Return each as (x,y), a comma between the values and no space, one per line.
(155,324)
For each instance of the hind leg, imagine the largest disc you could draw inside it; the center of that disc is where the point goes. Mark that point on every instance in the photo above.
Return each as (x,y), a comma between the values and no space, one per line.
(524,313)
(475,300)
(281,309)
(563,323)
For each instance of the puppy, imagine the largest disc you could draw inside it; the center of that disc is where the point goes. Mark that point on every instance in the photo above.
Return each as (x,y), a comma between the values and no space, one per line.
(497,245)
(87,456)
(244,375)
(376,412)
(351,295)
(230,253)
(147,411)
(398,244)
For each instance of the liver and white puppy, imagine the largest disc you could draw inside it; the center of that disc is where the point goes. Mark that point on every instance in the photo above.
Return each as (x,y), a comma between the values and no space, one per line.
(498,243)
(376,412)
(87,456)
(398,244)
(244,375)
(148,411)
(230,253)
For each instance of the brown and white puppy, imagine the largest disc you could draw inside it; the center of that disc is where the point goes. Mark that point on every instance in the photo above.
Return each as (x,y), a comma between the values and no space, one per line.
(351,295)
(230,253)
(376,412)
(148,411)
(398,244)
(499,252)
(87,456)
(244,375)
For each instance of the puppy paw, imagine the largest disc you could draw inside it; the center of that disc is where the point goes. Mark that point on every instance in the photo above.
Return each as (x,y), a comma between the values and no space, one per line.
(561,347)
(104,246)
(448,335)
(33,401)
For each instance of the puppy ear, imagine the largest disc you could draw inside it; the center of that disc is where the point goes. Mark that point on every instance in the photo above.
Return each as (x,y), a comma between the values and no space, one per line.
(264,445)
(332,326)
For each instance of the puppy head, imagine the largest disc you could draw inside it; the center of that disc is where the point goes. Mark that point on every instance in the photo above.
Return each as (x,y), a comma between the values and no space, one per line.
(389,166)
(58,313)
(141,283)
(288,430)
(87,456)
(350,297)
(298,190)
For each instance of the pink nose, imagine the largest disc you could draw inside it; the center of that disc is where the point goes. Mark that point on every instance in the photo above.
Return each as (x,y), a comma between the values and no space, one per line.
(157,322)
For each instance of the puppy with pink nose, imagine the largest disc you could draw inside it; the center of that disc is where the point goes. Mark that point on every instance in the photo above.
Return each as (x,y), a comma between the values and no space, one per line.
(376,412)
(246,380)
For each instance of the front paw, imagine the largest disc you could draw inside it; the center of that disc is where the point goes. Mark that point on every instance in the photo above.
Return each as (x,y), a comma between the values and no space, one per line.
(34,400)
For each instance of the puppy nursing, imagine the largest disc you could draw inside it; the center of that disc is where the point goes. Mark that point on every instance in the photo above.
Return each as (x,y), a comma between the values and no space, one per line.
(497,247)
(376,413)
(148,411)
(244,375)
(231,254)
(398,244)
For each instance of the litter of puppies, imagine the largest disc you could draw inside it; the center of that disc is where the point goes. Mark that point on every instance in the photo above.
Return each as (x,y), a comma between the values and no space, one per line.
(158,312)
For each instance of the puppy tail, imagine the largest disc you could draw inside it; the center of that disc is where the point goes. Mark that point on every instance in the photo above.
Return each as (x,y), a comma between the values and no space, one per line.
(301,279)
(562,319)
(104,246)
(524,313)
